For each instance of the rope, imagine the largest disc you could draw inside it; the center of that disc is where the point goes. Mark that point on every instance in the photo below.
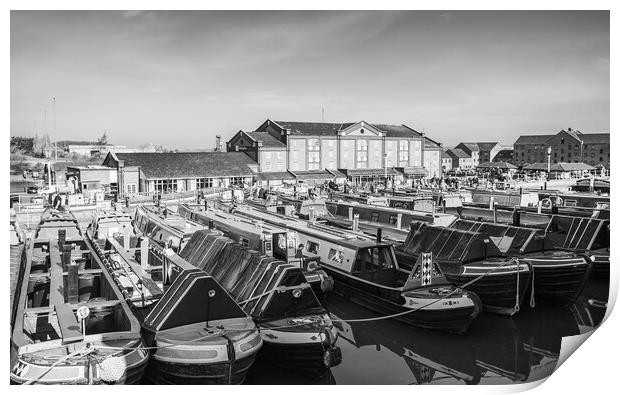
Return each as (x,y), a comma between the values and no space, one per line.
(517,308)
(532,301)
(278,289)
(84,350)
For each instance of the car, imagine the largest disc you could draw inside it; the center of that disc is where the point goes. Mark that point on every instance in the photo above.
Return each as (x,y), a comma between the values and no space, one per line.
(33,189)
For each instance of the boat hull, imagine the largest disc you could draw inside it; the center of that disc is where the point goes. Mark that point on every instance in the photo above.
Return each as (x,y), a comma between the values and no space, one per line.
(135,363)
(306,349)
(559,276)
(600,264)
(452,314)
(498,288)
(160,372)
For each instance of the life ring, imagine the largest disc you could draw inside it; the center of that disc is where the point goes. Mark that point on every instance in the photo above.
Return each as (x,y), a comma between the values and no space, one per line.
(546,202)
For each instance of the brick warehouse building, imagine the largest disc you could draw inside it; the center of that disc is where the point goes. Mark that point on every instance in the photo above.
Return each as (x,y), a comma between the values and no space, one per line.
(358,150)
(570,146)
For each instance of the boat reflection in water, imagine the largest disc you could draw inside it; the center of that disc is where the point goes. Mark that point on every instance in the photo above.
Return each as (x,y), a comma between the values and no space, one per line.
(496,349)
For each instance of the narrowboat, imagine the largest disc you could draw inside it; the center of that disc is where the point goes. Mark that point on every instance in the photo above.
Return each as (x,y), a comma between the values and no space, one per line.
(368,273)
(268,239)
(72,324)
(431,356)
(172,231)
(297,331)
(199,346)
(558,275)
(469,259)
(592,184)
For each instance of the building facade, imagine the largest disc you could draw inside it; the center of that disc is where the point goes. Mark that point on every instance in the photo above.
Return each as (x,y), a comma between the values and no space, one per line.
(567,146)
(446,161)
(178,172)
(360,147)
(460,159)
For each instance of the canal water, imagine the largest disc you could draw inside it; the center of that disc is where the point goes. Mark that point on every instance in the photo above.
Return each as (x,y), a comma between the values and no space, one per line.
(495,350)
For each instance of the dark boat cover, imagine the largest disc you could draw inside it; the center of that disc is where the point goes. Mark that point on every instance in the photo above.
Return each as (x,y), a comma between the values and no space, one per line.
(448,244)
(578,234)
(250,277)
(508,239)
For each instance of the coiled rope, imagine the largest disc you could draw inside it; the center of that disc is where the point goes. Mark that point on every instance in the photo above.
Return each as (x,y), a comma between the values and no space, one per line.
(84,351)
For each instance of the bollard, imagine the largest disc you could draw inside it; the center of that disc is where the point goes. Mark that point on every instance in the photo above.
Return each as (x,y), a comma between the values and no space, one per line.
(144,252)
(72,290)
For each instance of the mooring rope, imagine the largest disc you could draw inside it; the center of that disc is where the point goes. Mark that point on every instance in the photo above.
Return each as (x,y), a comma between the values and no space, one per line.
(517,308)
(532,301)
(85,350)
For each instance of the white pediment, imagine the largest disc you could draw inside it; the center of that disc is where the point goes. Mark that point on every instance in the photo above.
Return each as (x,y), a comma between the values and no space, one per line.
(361,129)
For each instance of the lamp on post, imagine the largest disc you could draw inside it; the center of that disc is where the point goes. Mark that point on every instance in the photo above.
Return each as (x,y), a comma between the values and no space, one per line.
(385,158)
(548,162)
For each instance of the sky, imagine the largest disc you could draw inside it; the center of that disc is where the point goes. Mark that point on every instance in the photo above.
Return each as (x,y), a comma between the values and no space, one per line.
(178,78)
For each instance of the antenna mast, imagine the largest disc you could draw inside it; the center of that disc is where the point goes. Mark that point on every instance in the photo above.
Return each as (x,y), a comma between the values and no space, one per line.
(55,136)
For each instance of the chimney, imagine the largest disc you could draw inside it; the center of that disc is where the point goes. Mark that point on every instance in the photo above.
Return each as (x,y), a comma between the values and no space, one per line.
(218,143)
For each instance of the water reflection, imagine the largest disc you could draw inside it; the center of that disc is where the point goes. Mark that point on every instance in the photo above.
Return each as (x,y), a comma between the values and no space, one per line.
(496,349)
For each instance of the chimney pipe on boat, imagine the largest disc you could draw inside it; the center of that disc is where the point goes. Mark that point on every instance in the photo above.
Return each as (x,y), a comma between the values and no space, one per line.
(62,237)
(379,235)
(539,207)
(65,256)
(210,224)
(144,252)
(126,238)
(72,289)
(356,220)
(516,218)
(492,202)
(494,213)
(399,220)
(350,213)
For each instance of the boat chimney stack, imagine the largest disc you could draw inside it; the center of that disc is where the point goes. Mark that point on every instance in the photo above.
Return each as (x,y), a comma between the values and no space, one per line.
(350,213)
(210,224)
(379,235)
(72,289)
(218,143)
(356,221)
(65,256)
(62,237)
(144,252)
(516,218)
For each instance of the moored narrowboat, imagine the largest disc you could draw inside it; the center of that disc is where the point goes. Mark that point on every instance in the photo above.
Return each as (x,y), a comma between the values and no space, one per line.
(72,325)
(368,273)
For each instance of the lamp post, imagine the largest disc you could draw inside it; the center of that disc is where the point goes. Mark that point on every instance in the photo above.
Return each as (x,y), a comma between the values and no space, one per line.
(385,158)
(548,161)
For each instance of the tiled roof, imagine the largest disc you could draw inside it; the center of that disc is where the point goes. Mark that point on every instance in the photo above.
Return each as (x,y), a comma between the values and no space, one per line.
(497,165)
(534,139)
(267,139)
(332,129)
(459,153)
(444,155)
(397,130)
(428,143)
(189,164)
(469,147)
(562,166)
(593,138)
(486,146)
(313,128)
(275,175)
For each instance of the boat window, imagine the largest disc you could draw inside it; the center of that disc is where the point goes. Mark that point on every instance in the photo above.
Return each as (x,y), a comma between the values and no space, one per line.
(312,247)
(373,259)
(393,219)
(244,242)
(570,203)
(374,217)
(335,256)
